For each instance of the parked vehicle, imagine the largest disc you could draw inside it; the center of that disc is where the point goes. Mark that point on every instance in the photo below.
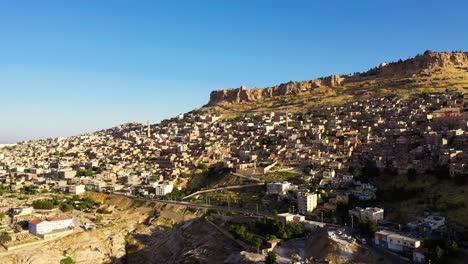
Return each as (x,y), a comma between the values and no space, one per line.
(361,240)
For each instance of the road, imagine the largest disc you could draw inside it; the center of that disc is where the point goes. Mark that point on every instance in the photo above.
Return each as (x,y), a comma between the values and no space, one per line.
(198,205)
(257,178)
(388,256)
(223,188)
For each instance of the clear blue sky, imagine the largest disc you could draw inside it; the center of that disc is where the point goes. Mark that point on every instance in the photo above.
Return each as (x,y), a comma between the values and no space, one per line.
(68,67)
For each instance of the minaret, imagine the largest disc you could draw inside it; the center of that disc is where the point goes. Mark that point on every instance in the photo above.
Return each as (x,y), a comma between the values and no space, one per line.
(148,129)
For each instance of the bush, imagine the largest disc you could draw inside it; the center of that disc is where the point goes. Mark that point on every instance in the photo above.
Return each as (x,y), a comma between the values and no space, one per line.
(103,211)
(66,207)
(202,166)
(43,204)
(30,189)
(5,237)
(87,173)
(99,219)
(279,229)
(87,203)
(67,260)
(270,258)
(441,250)
(240,232)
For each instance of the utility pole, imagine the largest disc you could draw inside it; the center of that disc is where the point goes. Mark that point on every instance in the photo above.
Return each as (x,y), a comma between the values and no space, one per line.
(321,213)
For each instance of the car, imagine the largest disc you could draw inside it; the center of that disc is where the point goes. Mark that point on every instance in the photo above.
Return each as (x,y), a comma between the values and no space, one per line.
(361,240)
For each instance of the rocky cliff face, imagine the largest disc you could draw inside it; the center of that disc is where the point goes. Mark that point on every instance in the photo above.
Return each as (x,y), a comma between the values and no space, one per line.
(243,94)
(428,60)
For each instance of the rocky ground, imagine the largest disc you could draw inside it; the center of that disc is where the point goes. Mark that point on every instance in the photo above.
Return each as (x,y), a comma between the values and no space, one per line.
(150,232)
(97,246)
(194,241)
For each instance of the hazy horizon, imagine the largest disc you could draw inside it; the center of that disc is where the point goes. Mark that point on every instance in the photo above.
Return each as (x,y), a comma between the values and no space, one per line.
(74,67)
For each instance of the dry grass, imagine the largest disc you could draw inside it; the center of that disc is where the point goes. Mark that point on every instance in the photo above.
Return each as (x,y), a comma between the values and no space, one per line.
(361,88)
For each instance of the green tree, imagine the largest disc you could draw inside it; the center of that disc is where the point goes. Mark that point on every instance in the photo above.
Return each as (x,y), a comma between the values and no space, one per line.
(5,237)
(439,253)
(30,189)
(372,227)
(43,204)
(256,242)
(275,213)
(270,258)
(66,207)
(202,166)
(357,173)
(452,247)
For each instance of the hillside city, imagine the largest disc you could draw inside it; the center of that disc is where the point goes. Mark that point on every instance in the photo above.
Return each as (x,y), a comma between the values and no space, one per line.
(315,172)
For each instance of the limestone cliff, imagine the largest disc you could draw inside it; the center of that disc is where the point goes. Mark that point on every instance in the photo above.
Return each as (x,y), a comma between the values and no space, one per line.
(243,94)
(428,60)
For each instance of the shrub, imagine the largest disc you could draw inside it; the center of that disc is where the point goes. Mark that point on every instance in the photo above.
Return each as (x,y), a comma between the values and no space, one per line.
(270,258)
(43,204)
(67,260)
(66,207)
(5,237)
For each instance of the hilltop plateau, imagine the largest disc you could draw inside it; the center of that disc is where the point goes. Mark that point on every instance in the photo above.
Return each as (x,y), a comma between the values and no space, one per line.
(430,72)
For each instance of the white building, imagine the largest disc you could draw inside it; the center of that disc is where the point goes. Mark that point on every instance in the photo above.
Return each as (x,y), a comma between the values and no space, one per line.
(77,189)
(396,242)
(300,219)
(288,217)
(163,188)
(306,202)
(279,188)
(329,174)
(369,214)
(44,227)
